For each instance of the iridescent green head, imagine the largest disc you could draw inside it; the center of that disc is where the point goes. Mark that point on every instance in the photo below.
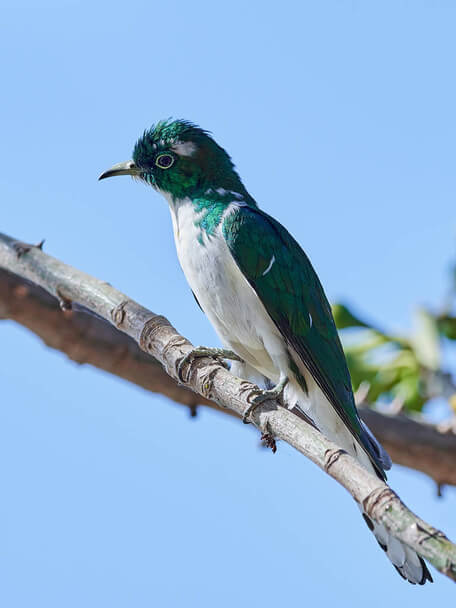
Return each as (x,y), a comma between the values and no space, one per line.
(180,159)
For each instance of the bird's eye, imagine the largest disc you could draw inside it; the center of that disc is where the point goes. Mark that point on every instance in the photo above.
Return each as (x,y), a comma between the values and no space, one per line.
(164,161)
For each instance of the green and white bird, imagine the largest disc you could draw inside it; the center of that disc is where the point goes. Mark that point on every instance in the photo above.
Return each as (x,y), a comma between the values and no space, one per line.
(261,294)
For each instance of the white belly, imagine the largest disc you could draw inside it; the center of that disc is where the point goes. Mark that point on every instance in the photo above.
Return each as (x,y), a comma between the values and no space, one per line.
(228,300)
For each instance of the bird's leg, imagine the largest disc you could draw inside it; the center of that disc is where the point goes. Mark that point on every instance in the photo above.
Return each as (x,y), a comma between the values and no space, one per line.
(259,396)
(205,351)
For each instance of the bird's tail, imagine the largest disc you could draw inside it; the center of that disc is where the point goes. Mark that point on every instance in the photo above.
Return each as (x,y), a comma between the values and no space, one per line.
(407,562)
(314,404)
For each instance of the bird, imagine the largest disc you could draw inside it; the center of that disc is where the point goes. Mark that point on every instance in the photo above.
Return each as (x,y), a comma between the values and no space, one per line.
(262,295)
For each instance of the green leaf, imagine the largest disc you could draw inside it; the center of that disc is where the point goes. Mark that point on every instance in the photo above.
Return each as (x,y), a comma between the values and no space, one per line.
(447,326)
(345,318)
(426,340)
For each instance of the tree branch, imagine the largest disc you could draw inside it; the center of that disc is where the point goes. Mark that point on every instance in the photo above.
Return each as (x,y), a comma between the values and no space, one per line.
(417,445)
(156,336)
(86,338)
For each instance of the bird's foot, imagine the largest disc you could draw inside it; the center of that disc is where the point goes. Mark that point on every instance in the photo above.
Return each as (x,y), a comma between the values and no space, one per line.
(269,441)
(258,396)
(203,351)
(21,248)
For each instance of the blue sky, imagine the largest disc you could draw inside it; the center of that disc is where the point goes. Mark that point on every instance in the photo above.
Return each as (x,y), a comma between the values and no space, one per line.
(340,118)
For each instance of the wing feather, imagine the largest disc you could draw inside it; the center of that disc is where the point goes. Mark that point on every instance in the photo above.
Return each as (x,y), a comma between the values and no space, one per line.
(294,298)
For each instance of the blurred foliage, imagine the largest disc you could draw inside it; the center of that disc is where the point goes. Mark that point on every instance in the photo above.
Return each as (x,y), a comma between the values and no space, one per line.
(406,370)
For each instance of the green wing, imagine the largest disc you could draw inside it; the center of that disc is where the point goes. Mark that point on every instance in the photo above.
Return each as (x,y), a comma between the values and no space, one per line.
(281,274)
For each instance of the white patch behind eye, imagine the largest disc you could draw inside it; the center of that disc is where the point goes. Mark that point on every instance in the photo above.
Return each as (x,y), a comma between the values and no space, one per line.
(186,148)
(239,197)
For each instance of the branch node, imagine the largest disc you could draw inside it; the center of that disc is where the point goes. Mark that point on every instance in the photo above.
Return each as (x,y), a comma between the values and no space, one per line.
(118,314)
(207,380)
(429,533)
(22,248)
(64,302)
(379,500)
(332,456)
(150,327)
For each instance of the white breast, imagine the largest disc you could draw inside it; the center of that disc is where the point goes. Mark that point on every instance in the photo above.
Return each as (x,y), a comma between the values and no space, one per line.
(232,306)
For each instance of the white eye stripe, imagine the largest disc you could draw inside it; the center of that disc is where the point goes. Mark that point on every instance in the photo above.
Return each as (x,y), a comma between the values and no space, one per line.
(186,148)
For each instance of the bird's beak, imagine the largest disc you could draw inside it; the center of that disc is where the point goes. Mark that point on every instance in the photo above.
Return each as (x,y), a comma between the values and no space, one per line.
(126,168)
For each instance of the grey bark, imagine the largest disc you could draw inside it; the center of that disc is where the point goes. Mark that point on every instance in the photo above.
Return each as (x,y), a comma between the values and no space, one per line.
(87,338)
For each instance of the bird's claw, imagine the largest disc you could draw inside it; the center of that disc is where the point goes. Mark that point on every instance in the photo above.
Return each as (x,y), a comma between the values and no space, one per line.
(268,439)
(219,354)
(255,399)
(258,396)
